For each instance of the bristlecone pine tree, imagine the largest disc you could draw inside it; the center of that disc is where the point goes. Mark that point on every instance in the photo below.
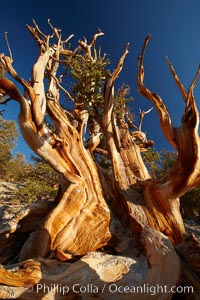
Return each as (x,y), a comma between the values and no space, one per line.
(112,229)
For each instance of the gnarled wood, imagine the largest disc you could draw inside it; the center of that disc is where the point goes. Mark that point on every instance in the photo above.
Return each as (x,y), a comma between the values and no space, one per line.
(116,226)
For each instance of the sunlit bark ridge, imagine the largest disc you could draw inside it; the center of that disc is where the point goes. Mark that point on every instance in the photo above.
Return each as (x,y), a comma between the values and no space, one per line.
(104,227)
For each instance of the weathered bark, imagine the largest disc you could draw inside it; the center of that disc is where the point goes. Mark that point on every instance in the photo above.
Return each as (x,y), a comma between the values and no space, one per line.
(102,229)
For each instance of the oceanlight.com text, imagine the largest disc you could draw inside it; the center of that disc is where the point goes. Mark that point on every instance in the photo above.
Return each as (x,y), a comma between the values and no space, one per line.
(110,288)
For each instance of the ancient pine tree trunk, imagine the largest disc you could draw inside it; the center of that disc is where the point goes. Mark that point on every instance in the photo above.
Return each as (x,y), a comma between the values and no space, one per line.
(111,225)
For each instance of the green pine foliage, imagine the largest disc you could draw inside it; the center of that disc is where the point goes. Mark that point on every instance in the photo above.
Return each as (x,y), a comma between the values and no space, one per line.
(8,138)
(159,163)
(34,180)
(87,86)
(190,204)
(121,105)
(2,71)
(40,183)
(88,78)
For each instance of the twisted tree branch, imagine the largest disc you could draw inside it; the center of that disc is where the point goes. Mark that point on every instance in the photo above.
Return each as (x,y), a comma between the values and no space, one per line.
(165,120)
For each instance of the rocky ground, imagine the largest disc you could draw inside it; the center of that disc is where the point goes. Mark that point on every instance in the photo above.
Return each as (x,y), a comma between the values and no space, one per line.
(6,190)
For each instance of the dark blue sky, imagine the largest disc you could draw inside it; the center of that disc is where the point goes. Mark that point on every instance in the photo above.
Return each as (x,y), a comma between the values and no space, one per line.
(173,24)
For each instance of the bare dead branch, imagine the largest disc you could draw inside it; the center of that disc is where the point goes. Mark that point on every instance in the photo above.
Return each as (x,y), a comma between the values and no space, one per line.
(120,64)
(87,48)
(139,136)
(35,36)
(165,120)
(8,46)
(68,38)
(37,79)
(191,115)
(62,88)
(130,123)
(41,39)
(38,105)
(93,42)
(57,32)
(109,123)
(69,54)
(7,64)
(141,57)
(39,31)
(142,114)
(190,97)
(178,82)
(11,90)
(54,29)
(109,84)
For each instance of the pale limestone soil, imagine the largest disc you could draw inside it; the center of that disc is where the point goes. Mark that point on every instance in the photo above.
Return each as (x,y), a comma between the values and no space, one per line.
(7,190)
